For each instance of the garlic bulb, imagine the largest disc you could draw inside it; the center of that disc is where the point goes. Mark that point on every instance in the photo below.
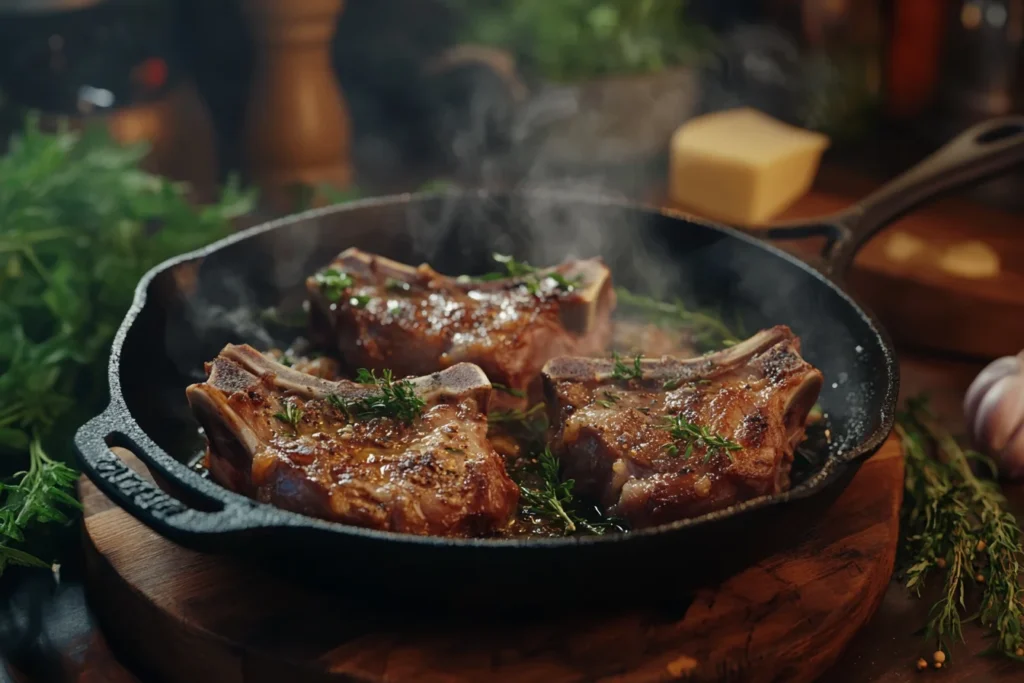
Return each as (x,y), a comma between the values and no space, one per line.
(994,408)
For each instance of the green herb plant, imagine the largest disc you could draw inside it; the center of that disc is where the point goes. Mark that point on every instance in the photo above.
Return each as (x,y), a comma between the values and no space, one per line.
(571,40)
(954,523)
(80,222)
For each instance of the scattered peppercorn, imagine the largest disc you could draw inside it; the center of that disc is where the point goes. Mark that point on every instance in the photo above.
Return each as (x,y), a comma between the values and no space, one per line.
(940,563)
(921,664)
(979,578)
(939,656)
(981,546)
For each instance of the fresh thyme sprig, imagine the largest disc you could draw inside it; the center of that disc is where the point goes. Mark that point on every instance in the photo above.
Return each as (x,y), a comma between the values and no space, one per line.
(33,497)
(333,282)
(709,332)
(954,521)
(609,400)
(553,500)
(693,435)
(623,371)
(532,277)
(396,399)
(291,415)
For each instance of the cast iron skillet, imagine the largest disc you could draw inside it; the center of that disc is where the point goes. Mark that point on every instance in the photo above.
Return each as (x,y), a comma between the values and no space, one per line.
(187,308)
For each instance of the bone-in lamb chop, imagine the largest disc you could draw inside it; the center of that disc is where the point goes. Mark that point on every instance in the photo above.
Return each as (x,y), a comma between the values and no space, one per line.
(380,313)
(653,441)
(406,456)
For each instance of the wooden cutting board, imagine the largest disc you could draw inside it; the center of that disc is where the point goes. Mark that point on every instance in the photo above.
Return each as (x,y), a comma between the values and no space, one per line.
(181,616)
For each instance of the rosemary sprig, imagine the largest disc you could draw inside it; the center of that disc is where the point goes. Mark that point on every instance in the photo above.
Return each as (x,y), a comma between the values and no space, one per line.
(623,371)
(694,435)
(709,332)
(609,400)
(954,521)
(396,399)
(553,499)
(291,415)
(333,282)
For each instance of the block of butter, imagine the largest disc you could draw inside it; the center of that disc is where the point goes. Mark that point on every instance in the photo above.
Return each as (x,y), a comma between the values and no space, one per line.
(742,166)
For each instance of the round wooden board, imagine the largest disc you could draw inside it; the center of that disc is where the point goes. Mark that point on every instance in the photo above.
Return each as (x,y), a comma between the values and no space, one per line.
(178,615)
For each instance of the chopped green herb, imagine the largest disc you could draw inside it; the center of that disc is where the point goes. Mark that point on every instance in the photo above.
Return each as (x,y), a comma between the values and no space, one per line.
(397,285)
(518,393)
(682,430)
(531,275)
(565,283)
(623,371)
(553,499)
(291,415)
(394,309)
(609,399)
(514,268)
(397,399)
(359,300)
(333,282)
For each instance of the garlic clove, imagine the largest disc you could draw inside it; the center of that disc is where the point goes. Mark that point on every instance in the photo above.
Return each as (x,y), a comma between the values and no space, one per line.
(994,409)
(993,372)
(1000,413)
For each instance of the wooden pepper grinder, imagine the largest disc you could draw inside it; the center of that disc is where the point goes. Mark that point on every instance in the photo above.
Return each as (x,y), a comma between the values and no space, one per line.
(297,125)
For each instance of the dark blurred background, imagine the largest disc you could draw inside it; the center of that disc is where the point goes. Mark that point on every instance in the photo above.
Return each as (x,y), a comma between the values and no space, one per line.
(887,79)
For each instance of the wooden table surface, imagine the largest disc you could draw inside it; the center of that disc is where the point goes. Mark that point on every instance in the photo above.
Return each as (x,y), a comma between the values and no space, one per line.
(886,650)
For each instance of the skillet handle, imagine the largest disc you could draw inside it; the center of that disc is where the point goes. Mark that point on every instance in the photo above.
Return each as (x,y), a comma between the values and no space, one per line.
(145,501)
(979,152)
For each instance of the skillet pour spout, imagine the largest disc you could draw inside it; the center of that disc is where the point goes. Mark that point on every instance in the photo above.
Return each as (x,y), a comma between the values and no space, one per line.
(188,308)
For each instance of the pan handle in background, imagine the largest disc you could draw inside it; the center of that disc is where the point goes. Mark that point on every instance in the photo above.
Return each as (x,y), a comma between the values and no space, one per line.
(975,154)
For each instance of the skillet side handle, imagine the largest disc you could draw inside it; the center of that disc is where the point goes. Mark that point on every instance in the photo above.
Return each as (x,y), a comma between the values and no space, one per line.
(976,154)
(144,500)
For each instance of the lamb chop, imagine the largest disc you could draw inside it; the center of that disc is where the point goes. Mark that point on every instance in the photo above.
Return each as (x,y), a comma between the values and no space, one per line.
(379,313)
(409,456)
(653,441)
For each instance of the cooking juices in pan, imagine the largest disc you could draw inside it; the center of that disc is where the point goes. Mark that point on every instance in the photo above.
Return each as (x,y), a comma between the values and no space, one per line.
(522,402)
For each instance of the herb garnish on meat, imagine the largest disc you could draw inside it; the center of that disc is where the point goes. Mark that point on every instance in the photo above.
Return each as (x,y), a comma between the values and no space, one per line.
(685,432)
(623,371)
(531,275)
(333,282)
(553,499)
(396,399)
(290,415)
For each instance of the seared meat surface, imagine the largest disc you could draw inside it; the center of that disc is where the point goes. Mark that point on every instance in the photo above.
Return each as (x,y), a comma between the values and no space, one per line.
(688,436)
(378,313)
(307,444)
